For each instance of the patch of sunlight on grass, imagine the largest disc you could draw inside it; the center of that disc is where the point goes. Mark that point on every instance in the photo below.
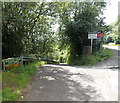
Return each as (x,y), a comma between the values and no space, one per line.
(112,44)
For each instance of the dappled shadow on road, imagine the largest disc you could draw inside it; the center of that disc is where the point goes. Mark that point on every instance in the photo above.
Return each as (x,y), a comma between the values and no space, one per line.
(55,84)
(112,63)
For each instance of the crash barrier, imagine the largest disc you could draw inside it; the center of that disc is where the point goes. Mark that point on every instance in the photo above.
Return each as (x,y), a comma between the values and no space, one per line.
(26,60)
(11,62)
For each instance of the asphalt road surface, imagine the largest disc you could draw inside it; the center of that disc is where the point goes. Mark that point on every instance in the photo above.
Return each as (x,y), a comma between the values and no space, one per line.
(76,83)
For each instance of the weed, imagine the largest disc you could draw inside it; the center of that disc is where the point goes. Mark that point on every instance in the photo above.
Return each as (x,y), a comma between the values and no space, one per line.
(9,95)
(16,79)
(94,58)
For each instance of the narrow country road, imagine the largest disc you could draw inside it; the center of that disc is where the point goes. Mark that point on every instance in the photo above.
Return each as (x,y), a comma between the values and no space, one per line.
(76,83)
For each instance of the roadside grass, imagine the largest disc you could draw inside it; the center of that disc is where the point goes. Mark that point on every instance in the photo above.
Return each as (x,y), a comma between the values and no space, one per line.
(16,79)
(0,86)
(112,44)
(90,60)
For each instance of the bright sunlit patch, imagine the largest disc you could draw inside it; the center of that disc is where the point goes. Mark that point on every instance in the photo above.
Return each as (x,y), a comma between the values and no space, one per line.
(111,12)
(49,78)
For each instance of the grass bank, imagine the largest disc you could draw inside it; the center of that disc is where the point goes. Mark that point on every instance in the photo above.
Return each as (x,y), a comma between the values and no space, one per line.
(112,44)
(15,80)
(89,60)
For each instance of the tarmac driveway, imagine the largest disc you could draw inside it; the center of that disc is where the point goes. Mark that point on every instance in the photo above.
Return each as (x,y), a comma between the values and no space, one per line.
(66,83)
(75,83)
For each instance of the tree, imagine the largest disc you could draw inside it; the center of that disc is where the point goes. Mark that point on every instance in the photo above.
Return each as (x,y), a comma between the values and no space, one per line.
(114,34)
(14,27)
(27,29)
(85,19)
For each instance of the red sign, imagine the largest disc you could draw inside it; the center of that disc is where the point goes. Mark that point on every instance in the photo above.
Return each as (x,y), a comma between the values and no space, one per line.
(100,35)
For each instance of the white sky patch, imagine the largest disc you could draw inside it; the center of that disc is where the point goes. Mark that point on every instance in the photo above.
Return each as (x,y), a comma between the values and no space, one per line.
(55,27)
(111,12)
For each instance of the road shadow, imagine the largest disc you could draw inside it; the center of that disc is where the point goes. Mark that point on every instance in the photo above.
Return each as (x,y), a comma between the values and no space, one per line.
(55,84)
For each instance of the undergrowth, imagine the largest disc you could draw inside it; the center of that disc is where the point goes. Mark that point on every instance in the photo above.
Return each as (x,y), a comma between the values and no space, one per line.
(16,79)
(89,60)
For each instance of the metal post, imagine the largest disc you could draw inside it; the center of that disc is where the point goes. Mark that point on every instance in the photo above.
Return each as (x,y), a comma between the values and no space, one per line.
(91,44)
(4,65)
(21,60)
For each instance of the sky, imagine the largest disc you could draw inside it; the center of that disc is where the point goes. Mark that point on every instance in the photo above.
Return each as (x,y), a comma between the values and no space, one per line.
(111,12)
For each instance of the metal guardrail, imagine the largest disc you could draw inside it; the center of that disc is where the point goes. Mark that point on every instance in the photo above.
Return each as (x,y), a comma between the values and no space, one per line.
(11,62)
(22,60)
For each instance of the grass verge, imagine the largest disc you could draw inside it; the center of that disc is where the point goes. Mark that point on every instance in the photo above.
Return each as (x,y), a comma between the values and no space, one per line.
(89,60)
(16,79)
(112,44)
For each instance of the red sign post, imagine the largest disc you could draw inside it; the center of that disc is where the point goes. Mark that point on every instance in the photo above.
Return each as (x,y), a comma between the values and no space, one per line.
(99,34)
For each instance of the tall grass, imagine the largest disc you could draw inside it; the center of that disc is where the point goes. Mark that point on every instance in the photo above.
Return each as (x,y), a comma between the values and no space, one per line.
(89,60)
(16,79)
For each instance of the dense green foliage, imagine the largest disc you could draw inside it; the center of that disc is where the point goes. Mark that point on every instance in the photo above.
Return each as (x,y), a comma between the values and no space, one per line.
(26,29)
(86,19)
(15,80)
(53,30)
(114,34)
